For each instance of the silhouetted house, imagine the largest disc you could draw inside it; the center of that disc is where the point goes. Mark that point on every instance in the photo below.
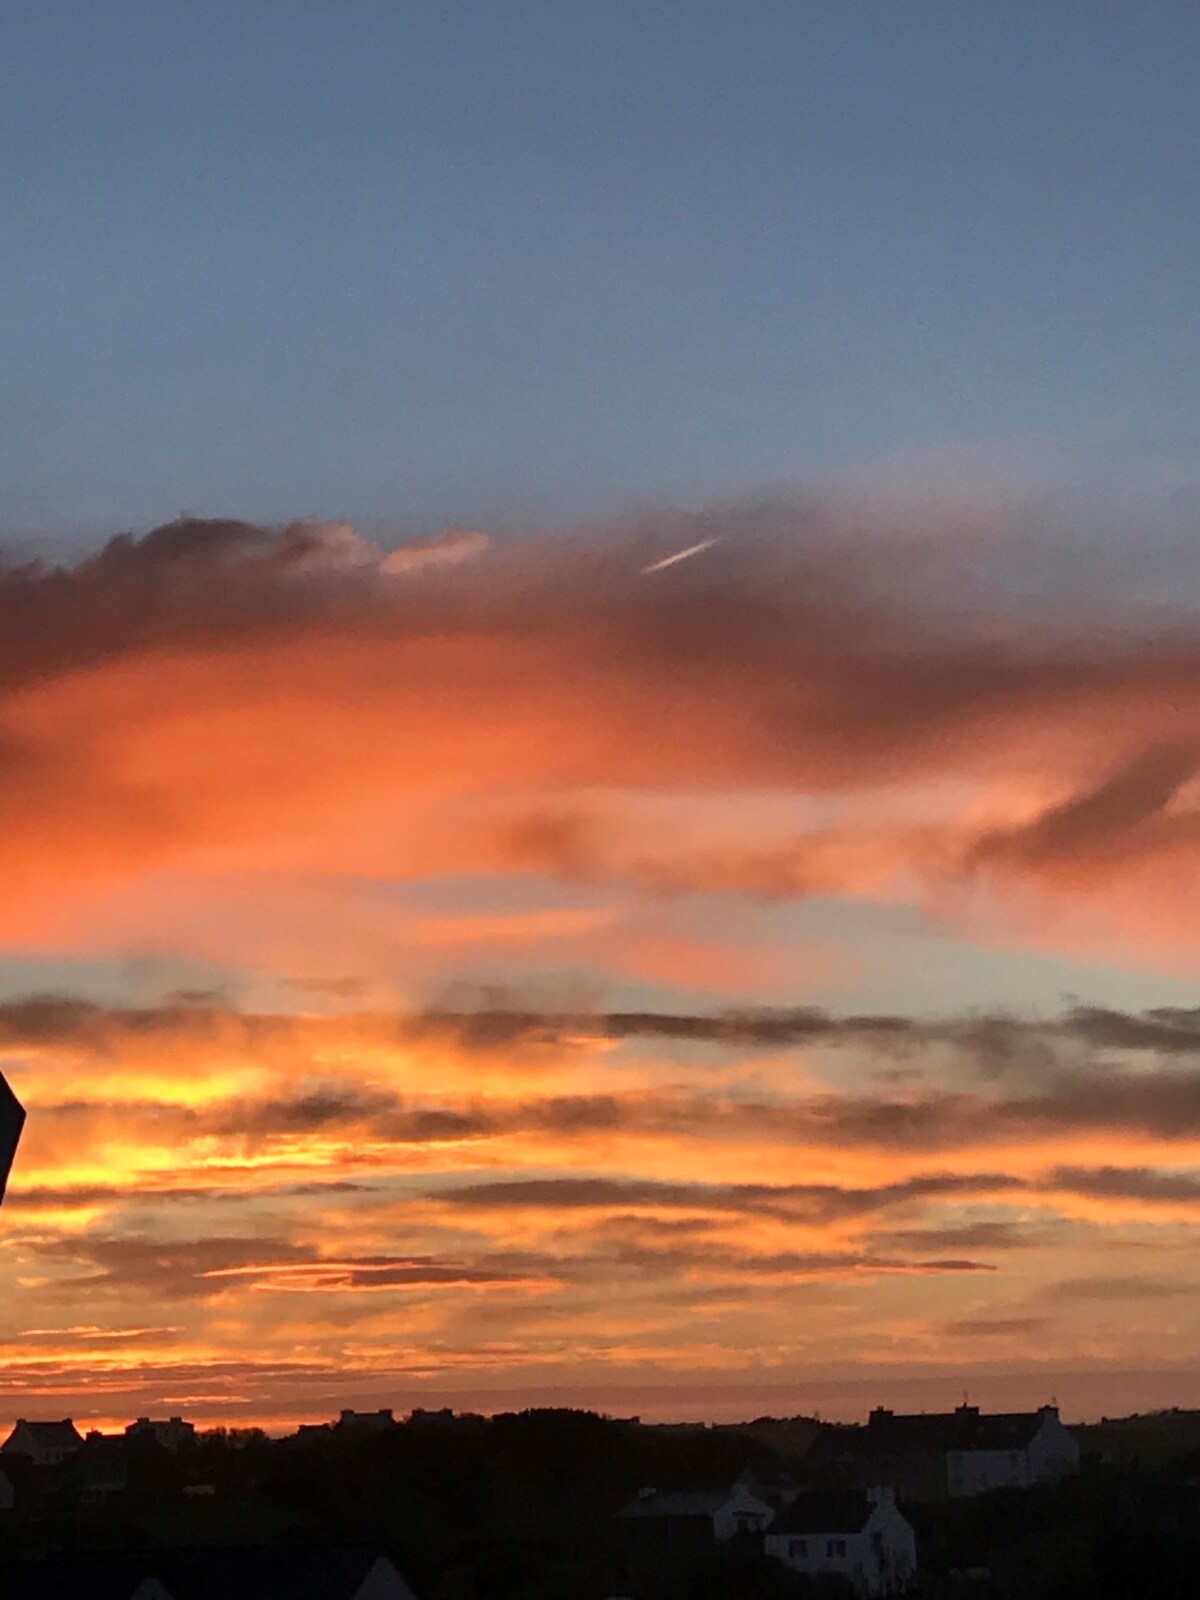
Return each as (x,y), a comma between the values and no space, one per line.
(99,1472)
(944,1455)
(362,1424)
(856,1534)
(47,1444)
(310,1433)
(12,1120)
(309,1573)
(8,1492)
(171,1434)
(656,1524)
(440,1421)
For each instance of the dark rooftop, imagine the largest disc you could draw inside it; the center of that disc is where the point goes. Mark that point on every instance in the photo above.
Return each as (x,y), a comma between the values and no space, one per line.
(966,1428)
(825,1511)
(62,1433)
(701,1503)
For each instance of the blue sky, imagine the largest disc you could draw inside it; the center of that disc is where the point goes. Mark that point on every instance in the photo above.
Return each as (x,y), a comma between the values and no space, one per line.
(406,263)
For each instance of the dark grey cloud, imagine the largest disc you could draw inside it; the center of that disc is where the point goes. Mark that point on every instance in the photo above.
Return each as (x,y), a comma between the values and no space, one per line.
(193,578)
(995,1327)
(1124,814)
(201,1269)
(656,1260)
(809,1203)
(991,1235)
(1128,1183)
(1171,1031)
(167,1269)
(340,1106)
(1089,1068)
(988,1039)
(47,1197)
(1134,1287)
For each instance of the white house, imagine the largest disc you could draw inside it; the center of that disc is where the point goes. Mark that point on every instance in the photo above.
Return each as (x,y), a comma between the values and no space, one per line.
(954,1454)
(1011,1451)
(857,1534)
(45,1443)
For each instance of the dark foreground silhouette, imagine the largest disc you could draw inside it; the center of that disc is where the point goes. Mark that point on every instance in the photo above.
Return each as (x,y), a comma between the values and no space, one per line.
(525,1507)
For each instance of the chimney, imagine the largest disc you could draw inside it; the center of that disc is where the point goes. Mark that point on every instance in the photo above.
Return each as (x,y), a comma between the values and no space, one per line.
(882,1495)
(880,1414)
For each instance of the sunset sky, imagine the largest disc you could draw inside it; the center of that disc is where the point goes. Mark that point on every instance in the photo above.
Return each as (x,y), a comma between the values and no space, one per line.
(451,953)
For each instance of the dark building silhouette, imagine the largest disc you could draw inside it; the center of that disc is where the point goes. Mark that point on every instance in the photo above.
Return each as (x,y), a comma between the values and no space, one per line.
(47,1444)
(944,1455)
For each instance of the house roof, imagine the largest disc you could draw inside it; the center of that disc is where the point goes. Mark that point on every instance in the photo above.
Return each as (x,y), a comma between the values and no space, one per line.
(897,1437)
(825,1511)
(965,1429)
(49,1434)
(700,1503)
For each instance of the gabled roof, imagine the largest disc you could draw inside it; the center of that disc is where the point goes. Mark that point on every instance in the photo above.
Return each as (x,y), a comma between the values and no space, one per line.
(825,1511)
(52,1435)
(700,1503)
(965,1429)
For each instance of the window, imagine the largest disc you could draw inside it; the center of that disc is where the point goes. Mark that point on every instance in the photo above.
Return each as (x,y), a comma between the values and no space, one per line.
(798,1549)
(836,1547)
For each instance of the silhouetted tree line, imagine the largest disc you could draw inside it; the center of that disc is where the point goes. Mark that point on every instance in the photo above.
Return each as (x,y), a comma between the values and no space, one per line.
(521,1507)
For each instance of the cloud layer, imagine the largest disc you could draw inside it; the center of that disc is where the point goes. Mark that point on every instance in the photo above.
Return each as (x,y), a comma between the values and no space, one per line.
(482,1198)
(509,833)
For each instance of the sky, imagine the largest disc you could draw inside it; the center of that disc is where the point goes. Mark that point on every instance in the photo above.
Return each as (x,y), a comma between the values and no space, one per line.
(452,952)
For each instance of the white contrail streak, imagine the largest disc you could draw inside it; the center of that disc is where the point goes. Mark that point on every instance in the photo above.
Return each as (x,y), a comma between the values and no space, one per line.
(681,555)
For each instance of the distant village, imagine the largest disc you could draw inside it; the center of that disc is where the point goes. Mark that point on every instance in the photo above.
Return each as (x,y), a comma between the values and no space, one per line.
(543,1504)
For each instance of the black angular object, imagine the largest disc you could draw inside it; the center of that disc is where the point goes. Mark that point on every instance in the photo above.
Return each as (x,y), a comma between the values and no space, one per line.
(12,1120)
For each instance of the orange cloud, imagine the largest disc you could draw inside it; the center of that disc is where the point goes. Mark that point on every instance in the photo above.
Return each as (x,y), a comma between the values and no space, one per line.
(215,697)
(374,775)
